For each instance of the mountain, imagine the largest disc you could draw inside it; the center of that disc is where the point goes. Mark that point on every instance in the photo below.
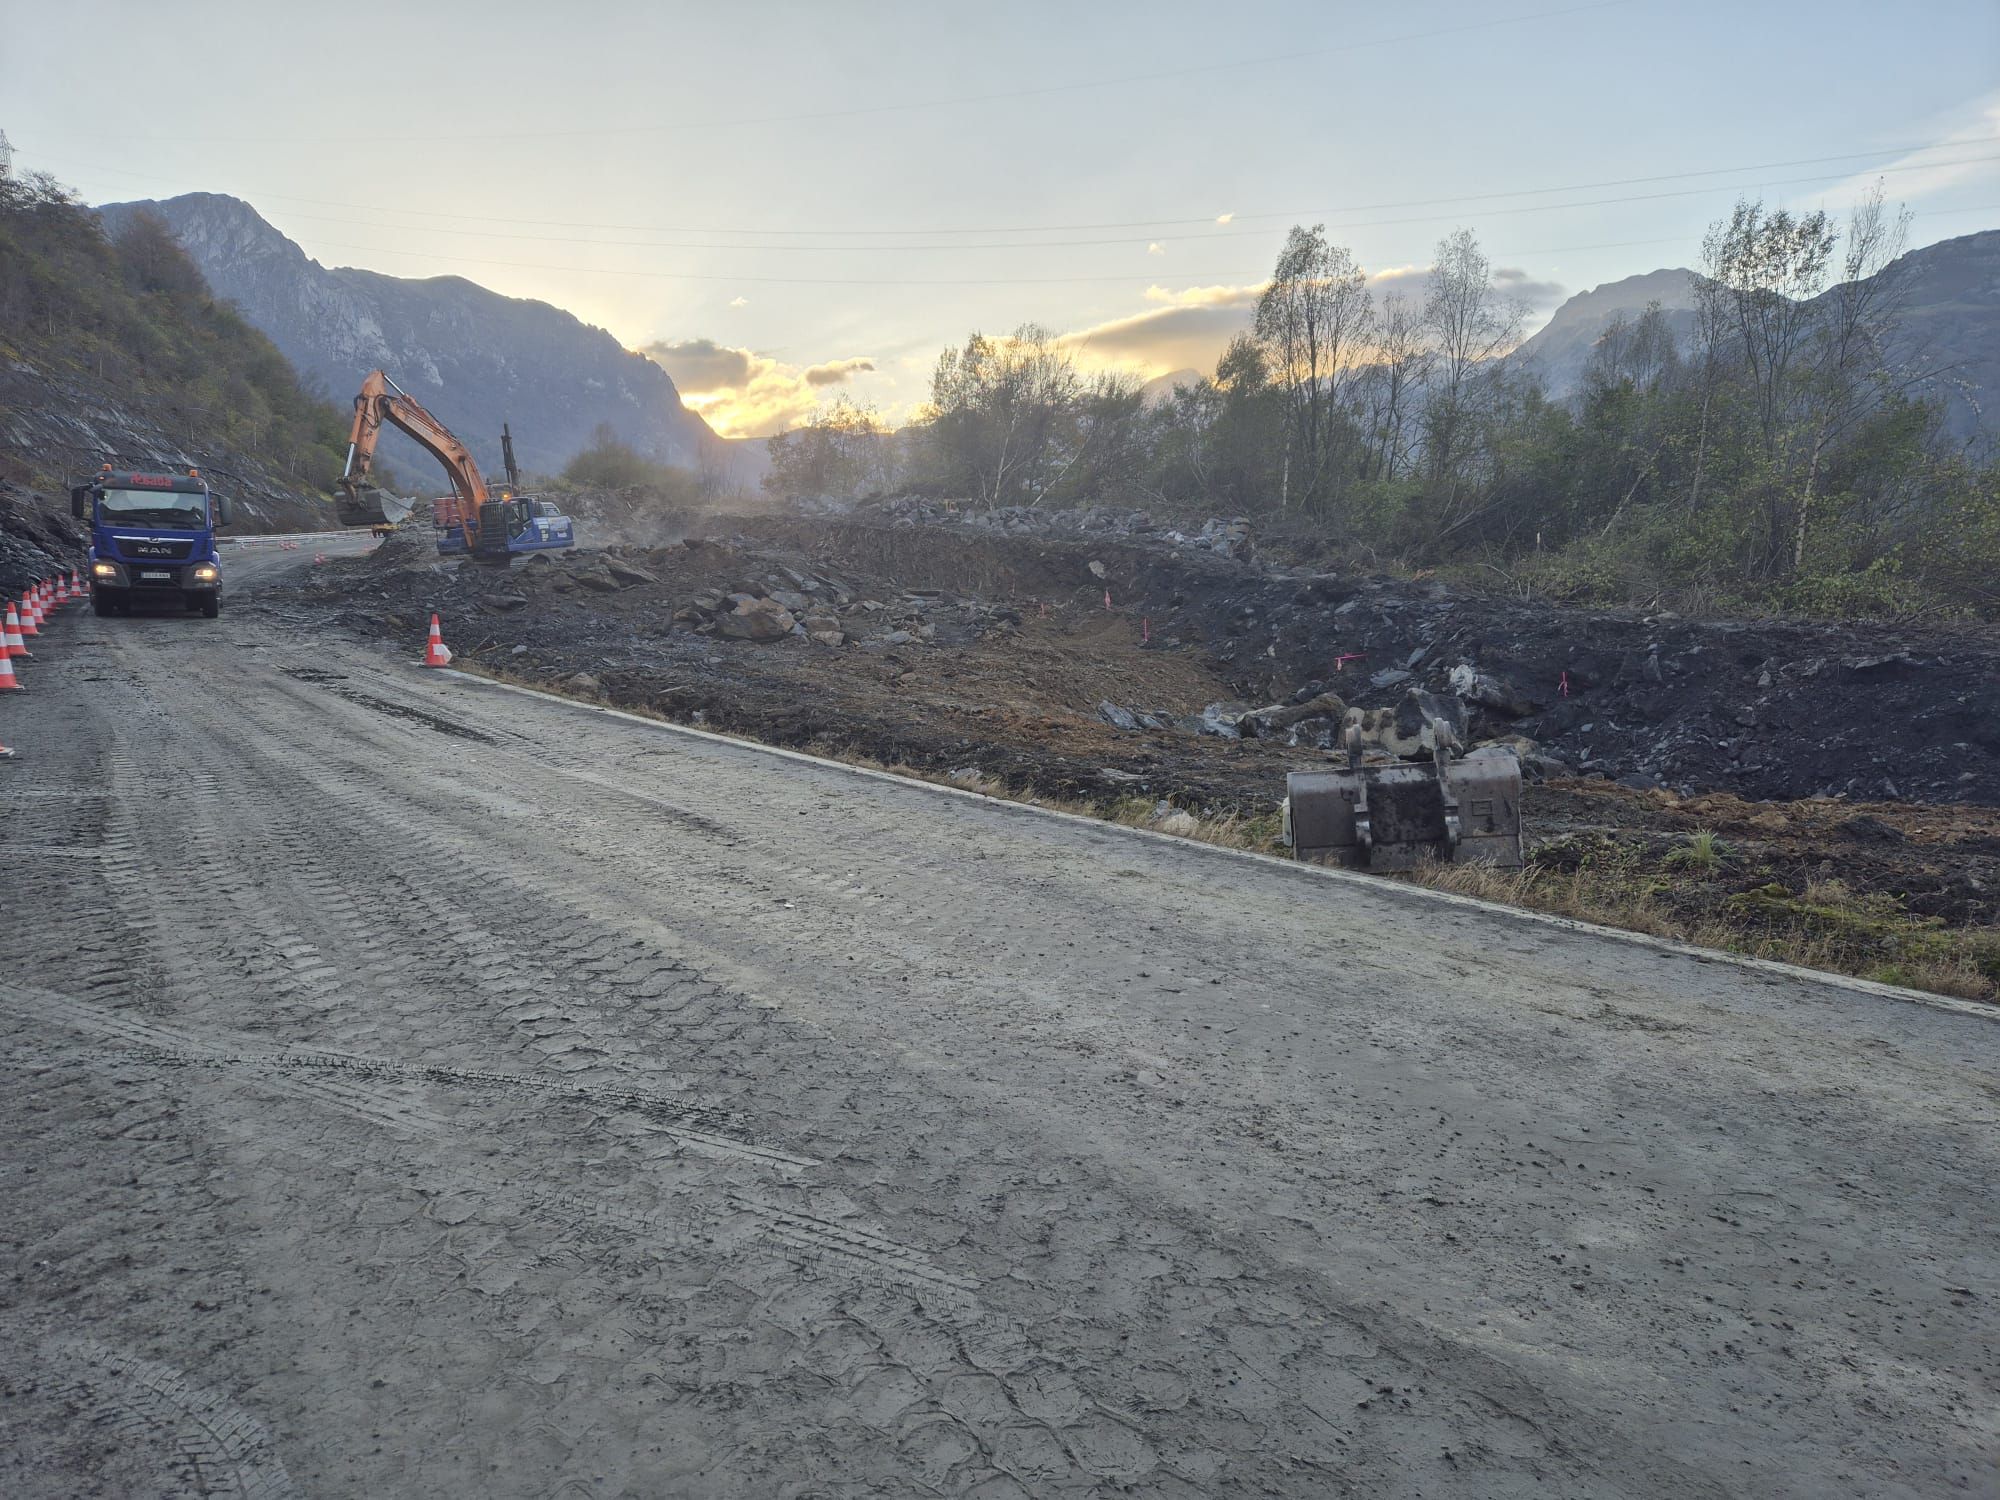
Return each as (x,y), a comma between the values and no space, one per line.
(474,357)
(1560,350)
(115,351)
(1160,389)
(1950,328)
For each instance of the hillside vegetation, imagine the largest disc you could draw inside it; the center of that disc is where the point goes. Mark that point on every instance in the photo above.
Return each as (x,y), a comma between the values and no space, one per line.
(131,321)
(1785,454)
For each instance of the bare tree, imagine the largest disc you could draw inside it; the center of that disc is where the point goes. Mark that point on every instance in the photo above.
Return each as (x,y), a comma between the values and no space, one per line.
(1762,270)
(1813,356)
(1313,319)
(1402,360)
(998,412)
(1468,325)
(1850,358)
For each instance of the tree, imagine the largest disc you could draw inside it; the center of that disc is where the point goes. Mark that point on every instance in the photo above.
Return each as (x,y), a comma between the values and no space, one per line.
(999,414)
(607,462)
(1312,320)
(154,260)
(840,451)
(1468,326)
(1810,359)
(1390,383)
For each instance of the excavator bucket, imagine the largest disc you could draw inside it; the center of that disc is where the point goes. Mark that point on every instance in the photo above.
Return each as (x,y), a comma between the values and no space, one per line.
(1393,817)
(364,505)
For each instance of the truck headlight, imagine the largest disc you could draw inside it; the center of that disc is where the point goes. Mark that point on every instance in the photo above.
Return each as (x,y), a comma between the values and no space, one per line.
(205,573)
(104,570)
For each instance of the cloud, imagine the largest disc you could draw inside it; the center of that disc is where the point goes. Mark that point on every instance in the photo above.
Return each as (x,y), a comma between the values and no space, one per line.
(1156,248)
(1224,218)
(1920,174)
(739,301)
(1540,296)
(700,366)
(742,393)
(1189,327)
(1206,296)
(837,371)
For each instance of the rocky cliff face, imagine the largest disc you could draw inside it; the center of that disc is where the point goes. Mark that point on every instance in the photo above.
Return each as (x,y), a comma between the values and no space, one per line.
(472,356)
(1951,329)
(1560,351)
(56,424)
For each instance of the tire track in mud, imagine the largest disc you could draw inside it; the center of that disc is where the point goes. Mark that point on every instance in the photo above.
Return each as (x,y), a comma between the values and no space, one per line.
(343,1077)
(218,1449)
(326,1078)
(369,916)
(343,776)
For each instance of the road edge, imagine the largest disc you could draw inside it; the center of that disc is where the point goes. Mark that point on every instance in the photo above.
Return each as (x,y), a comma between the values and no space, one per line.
(1292,868)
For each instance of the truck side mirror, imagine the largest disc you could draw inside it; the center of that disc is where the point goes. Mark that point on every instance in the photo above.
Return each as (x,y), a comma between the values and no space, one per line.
(79,502)
(224,513)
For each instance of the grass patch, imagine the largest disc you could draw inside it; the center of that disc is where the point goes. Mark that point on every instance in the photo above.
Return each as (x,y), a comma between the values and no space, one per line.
(1869,935)
(1703,853)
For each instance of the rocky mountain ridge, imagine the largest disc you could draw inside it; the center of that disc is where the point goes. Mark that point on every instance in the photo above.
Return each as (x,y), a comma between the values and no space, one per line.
(476,358)
(1950,342)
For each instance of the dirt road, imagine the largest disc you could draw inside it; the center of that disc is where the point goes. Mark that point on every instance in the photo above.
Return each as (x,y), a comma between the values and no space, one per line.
(414,1087)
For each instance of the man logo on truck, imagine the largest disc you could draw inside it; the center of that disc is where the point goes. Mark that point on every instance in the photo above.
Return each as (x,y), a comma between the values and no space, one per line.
(152,537)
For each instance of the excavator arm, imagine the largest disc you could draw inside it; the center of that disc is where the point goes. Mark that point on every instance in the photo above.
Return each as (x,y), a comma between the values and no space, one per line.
(382,400)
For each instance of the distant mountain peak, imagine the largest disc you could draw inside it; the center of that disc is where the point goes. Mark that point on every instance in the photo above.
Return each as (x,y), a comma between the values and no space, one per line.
(1950,324)
(475,357)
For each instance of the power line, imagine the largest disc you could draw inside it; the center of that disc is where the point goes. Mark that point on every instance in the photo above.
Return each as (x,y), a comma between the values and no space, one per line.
(1126,279)
(960,101)
(1128,240)
(1134,224)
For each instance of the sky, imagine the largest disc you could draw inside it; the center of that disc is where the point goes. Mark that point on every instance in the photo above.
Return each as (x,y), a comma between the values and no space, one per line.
(790,203)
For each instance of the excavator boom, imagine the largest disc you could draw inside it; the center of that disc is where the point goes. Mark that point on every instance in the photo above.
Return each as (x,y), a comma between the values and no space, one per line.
(382,400)
(469,520)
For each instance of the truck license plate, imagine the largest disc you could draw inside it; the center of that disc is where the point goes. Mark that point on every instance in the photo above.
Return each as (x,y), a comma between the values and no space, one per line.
(161,577)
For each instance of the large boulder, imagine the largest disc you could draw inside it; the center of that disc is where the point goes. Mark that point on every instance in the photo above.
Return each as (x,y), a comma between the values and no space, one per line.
(1279,717)
(1488,691)
(627,575)
(754,619)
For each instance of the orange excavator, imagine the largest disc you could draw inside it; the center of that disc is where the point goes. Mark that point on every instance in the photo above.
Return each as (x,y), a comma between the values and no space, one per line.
(470,521)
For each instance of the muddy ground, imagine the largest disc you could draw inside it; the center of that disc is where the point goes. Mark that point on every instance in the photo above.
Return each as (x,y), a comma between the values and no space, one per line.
(419,1088)
(1815,753)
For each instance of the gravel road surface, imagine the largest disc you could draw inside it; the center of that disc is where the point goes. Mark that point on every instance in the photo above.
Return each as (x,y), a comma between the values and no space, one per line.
(413,1087)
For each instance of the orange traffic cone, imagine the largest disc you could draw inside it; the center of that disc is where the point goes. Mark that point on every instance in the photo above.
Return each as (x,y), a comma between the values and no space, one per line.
(62,589)
(76,585)
(28,625)
(9,683)
(11,643)
(436,652)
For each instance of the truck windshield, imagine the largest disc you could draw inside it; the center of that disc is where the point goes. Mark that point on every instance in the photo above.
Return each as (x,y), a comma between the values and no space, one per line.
(156,508)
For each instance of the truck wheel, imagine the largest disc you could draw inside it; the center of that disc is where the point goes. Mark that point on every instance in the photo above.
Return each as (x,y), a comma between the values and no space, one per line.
(211,606)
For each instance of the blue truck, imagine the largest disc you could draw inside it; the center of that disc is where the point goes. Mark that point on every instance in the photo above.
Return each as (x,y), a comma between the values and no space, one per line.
(152,539)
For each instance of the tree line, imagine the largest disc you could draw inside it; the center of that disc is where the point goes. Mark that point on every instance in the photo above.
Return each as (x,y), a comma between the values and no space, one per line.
(1775,448)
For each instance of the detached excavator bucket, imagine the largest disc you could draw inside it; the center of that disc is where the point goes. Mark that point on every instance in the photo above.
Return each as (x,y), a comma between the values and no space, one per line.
(364,505)
(1392,817)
